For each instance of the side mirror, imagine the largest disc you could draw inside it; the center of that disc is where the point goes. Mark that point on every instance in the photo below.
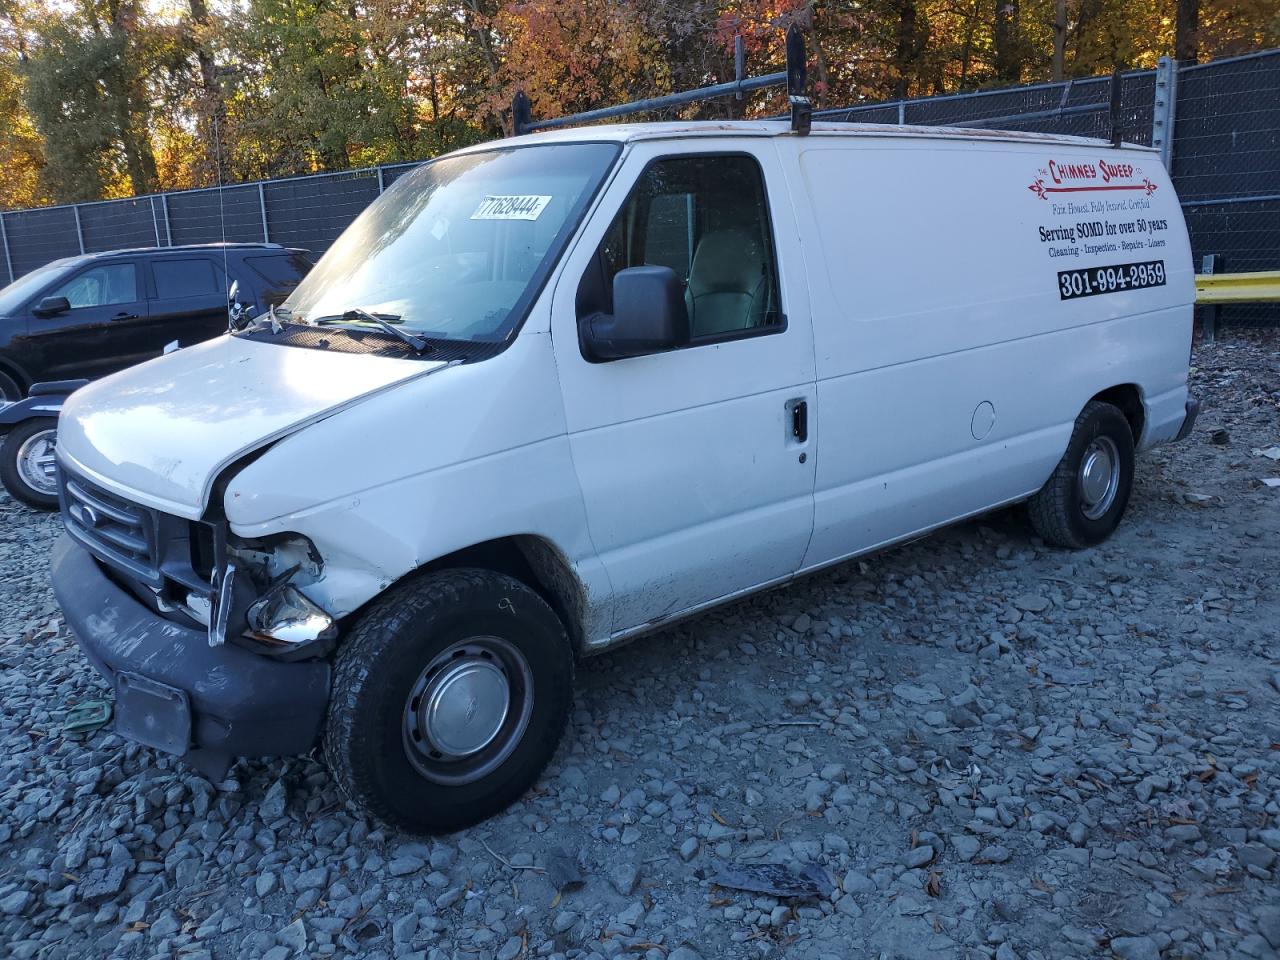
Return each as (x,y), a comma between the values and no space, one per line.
(649,316)
(52,306)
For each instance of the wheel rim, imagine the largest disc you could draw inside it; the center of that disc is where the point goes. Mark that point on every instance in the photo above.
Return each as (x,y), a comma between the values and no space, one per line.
(468,709)
(36,462)
(1099,477)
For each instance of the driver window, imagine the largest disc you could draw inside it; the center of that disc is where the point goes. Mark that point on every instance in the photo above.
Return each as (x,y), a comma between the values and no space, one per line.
(101,286)
(707,218)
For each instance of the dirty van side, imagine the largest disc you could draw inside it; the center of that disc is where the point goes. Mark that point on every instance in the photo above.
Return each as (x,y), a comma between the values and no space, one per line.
(546,395)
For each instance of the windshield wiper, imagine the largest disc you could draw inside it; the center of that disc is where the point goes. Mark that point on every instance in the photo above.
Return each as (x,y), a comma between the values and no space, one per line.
(382,321)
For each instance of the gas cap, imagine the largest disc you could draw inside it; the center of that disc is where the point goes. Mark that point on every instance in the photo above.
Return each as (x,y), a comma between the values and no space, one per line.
(984,418)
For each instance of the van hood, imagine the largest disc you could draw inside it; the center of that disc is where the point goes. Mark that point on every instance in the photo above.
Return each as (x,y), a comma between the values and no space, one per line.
(160,433)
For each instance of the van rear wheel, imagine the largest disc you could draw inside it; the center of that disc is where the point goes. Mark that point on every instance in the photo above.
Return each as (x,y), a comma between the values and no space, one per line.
(1082,503)
(450,696)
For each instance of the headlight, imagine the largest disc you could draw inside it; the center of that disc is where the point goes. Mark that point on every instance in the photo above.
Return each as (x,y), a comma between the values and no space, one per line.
(260,601)
(284,615)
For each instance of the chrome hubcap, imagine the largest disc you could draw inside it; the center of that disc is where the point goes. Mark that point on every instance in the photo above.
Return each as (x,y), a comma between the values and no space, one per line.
(1099,477)
(36,462)
(467,710)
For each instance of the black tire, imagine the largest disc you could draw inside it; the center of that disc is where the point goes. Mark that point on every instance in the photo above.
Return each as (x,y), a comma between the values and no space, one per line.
(18,486)
(1061,511)
(381,664)
(10,389)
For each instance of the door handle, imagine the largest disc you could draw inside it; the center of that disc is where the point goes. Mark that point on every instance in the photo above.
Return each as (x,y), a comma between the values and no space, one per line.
(125,316)
(800,420)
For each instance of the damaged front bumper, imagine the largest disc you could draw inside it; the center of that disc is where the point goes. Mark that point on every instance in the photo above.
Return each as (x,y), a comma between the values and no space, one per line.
(174,691)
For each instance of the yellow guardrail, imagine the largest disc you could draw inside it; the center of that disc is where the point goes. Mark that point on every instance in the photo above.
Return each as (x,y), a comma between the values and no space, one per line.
(1258,287)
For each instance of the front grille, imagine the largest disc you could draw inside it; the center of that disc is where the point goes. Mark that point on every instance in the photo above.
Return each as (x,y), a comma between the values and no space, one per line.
(169,555)
(121,534)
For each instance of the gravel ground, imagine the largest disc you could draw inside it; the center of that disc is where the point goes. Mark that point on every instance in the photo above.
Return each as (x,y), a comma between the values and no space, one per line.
(991,748)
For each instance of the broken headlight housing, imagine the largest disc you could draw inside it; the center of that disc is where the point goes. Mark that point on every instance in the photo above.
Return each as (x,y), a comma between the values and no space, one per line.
(260,601)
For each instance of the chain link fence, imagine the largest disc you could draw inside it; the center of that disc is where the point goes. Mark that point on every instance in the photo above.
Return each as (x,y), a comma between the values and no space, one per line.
(1224,154)
(1226,166)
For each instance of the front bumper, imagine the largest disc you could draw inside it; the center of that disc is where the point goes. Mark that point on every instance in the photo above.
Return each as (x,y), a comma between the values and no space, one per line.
(1189,422)
(236,703)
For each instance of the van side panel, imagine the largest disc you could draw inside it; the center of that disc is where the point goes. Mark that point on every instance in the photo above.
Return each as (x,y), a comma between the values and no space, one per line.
(950,365)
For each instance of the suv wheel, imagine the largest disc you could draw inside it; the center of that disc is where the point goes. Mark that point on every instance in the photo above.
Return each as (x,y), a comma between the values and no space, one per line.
(449,698)
(27,463)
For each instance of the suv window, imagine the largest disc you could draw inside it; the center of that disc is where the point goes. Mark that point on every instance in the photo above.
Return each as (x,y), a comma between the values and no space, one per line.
(185,278)
(100,286)
(282,272)
(707,218)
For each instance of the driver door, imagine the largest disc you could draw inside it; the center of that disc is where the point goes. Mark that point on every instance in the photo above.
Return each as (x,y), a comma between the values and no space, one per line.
(697,485)
(94,337)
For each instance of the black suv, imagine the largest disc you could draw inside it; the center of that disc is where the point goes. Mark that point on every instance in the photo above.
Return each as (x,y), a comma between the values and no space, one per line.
(87,316)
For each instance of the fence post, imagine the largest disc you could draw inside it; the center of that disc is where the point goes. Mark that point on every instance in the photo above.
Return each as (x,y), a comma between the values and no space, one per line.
(262,204)
(381,186)
(902,113)
(1211,263)
(8,260)
(168,230)
(155,221)
(1164,109)
(75,208)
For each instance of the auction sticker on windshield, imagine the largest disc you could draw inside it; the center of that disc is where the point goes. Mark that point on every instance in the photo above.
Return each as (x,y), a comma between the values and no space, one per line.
(528,207)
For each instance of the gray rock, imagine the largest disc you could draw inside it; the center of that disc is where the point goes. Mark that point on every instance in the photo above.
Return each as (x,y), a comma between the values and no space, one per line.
(965,846)
(1268,919)
(918,857)
(275,802)
(403,866)
(101,885)
(265,883)
(16,902)
(404,928)
(624,877)
(688,850)
(314,879)
(564,920)
(1135,948)
(293,936)
(917,695)
(1031,603)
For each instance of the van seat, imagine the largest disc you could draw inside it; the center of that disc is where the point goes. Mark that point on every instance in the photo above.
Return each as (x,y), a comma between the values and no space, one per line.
(728,283)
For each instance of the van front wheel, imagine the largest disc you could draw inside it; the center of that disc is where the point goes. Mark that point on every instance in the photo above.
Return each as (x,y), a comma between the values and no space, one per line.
(1082,503)
(450,695)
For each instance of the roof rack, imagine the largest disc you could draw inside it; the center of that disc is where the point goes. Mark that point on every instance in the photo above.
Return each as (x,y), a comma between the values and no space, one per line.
(793,78)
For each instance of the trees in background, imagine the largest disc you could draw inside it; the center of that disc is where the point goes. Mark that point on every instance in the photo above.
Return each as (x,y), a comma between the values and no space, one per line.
(106,98)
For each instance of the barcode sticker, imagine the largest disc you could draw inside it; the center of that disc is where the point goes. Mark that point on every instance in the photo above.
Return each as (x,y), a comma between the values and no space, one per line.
(511,208)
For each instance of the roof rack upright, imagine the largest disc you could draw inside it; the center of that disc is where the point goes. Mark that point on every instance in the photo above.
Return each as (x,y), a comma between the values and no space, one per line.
(793,78)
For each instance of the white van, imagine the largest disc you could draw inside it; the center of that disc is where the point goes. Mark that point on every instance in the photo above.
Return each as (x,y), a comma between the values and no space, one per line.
(549,393)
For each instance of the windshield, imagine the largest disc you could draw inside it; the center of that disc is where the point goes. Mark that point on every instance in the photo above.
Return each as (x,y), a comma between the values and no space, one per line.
(17,293)
(458,248)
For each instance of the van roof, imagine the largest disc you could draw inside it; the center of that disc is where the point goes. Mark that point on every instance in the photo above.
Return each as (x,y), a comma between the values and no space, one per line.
(630,132)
